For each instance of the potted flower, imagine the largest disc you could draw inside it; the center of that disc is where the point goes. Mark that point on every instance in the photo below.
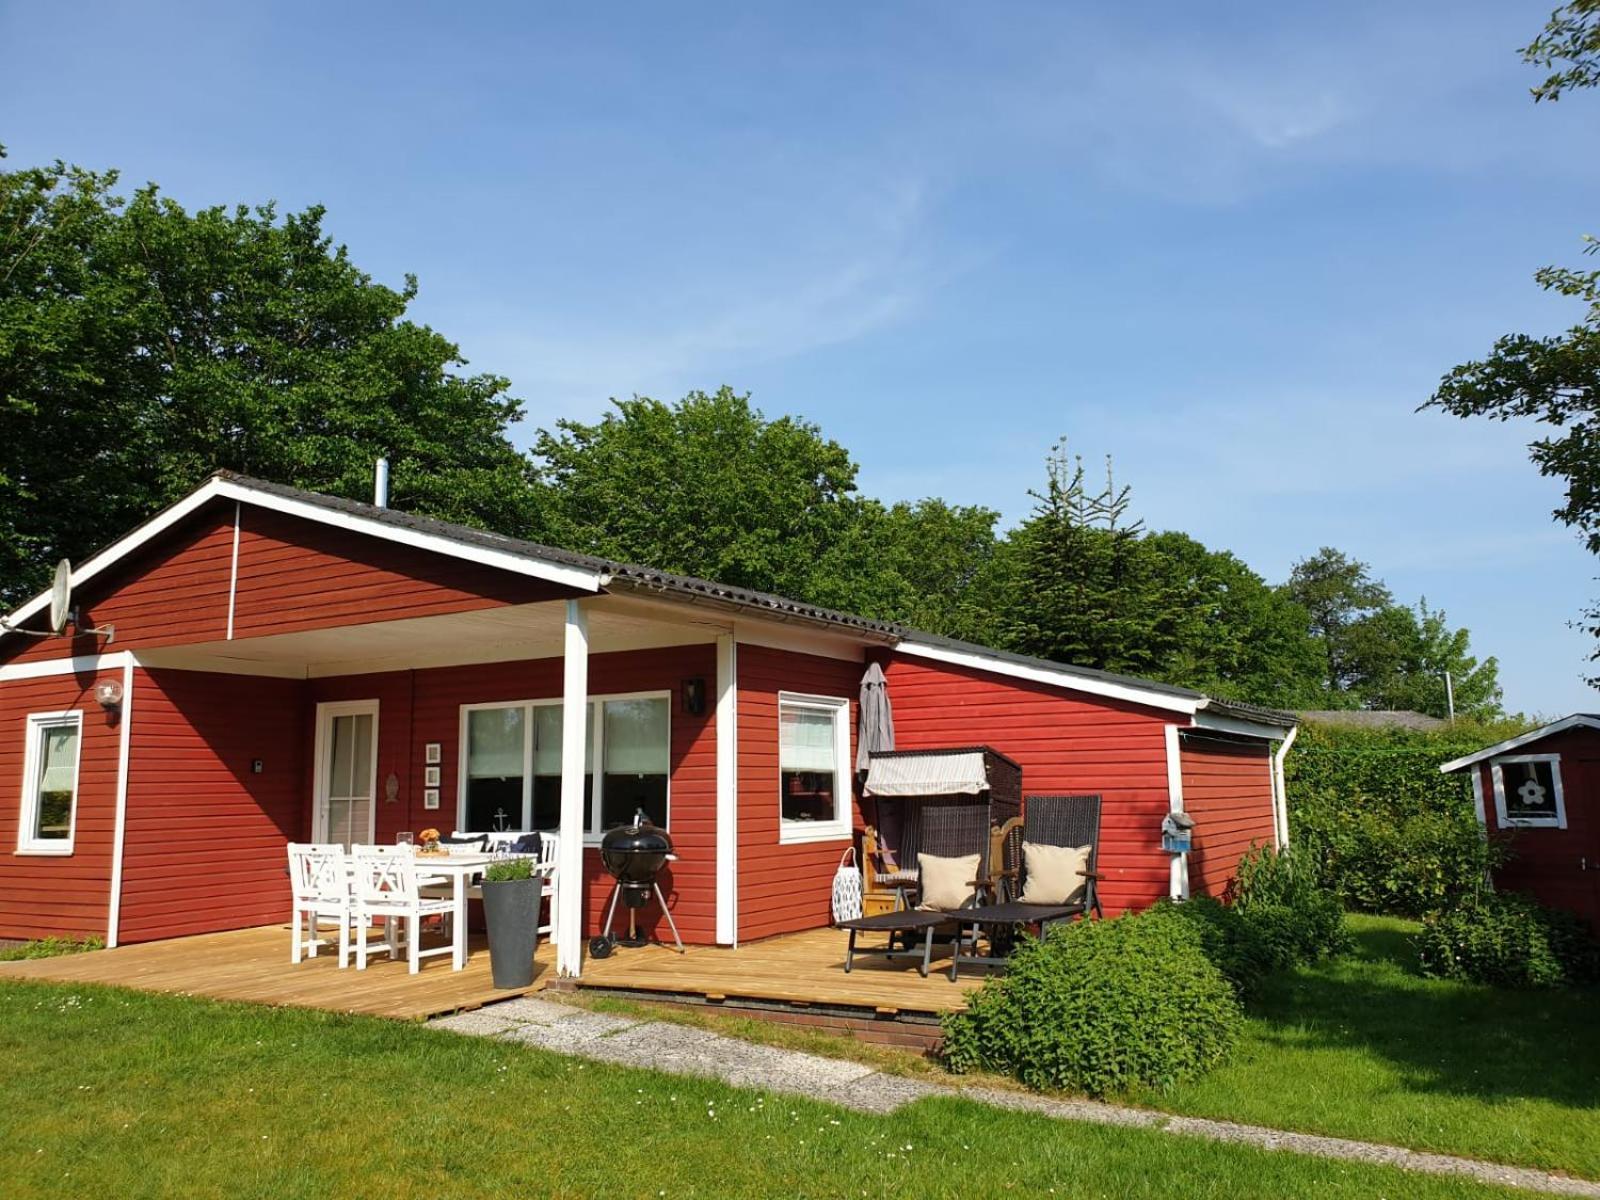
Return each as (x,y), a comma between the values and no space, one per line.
(511,911)
(428,841)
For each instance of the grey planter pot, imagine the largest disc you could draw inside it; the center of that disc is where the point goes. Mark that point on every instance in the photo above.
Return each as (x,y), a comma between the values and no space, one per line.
(511,910)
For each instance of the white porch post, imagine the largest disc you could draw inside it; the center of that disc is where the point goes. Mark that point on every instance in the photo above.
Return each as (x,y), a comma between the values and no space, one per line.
(727,791)
(569,854)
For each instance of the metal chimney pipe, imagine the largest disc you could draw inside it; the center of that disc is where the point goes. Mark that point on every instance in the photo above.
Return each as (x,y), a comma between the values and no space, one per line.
(380,484)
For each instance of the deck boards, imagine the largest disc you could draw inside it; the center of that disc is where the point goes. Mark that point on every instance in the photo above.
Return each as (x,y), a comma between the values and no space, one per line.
(806,968)
(253,965)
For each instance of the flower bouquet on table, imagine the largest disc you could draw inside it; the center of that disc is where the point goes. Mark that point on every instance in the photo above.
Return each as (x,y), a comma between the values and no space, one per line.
(428,842)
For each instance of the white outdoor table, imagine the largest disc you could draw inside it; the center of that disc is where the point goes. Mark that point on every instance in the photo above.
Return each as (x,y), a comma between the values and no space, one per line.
(460,869)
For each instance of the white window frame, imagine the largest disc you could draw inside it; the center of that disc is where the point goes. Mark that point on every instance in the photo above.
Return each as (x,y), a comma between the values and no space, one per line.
(1559,821)
(591,837)
(322,747)
(28,815)
(797,833)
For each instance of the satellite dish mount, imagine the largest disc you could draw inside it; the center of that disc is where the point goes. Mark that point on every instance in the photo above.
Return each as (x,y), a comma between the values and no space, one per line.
(62,613)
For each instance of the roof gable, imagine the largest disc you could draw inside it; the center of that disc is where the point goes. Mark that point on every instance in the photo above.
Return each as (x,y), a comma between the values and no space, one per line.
(1575,721)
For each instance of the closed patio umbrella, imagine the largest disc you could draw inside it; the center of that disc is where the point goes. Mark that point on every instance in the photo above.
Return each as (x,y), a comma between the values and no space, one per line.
(877,719)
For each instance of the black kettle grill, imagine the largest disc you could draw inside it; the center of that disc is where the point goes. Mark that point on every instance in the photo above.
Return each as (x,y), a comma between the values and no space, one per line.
(634,855)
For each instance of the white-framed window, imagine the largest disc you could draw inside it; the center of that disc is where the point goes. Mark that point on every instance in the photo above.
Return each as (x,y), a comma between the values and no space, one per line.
(50,783)
(813,768)
(510,775)
(1527,791)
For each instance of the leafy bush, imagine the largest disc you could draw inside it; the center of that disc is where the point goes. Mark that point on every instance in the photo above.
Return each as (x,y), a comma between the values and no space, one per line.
(1508,940)
(1232,943)
(1099,1006)
(1291,916)
(509,870)
(1388,833)
(50,947)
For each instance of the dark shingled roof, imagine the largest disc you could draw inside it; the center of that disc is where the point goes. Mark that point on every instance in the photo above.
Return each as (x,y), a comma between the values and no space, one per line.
(648,579)
(1373,718)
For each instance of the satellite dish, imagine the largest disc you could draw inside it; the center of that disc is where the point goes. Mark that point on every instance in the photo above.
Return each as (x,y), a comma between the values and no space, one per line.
(61,597)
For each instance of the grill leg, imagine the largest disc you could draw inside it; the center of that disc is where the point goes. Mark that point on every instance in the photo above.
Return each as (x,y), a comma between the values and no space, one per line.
(667,913)
(611,909)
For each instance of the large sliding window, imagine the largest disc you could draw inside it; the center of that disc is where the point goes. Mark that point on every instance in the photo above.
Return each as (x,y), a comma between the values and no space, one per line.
(511,764)
(50,783)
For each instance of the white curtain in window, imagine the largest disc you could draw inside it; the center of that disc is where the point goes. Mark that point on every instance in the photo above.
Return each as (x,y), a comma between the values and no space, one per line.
(494,743)
(59,761)
(547,740)
(806,740)
(635,737)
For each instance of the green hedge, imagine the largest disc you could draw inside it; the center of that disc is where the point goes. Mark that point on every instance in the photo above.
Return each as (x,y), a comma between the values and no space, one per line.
(1508,940)
(1387,832)
(1099,1007)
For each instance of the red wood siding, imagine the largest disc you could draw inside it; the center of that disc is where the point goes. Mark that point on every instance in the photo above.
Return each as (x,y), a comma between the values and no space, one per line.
(1560,867)
(68,895)
(205,840)
(418,707)
(781,888)
(170,593)
(1066,743)
(296,575)
(293,575)
(1227,789)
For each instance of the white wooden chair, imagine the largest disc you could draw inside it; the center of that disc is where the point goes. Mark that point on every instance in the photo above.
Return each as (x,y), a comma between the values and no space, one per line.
(386,886)
(319,879)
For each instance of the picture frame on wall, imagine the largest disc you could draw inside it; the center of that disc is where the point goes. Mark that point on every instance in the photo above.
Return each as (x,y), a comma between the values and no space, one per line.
(431,777)
(431,753)
(430,798)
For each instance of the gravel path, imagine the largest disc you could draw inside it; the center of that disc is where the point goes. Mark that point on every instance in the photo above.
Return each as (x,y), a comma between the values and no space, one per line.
(682,1050)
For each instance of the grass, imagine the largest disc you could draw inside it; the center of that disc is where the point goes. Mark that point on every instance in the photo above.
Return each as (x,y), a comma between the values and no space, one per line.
(109,1092)
(49,947)
(1366,1047)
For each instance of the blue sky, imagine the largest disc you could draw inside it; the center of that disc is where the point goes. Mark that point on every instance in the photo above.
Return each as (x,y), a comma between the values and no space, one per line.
(1232,245)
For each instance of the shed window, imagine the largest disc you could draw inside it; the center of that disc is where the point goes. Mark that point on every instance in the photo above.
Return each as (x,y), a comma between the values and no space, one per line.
(1527,791)
(813,775)
(50,783)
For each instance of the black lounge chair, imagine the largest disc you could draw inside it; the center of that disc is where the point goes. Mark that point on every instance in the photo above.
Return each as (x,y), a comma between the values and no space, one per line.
(1046,820)
(946,831)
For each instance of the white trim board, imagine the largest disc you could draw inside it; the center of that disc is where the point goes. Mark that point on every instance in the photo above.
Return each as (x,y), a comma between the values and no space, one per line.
(580,578)
(1235,725)
(1576,721)
(727,835)
(119,835)
(1178,879)
(1060,677)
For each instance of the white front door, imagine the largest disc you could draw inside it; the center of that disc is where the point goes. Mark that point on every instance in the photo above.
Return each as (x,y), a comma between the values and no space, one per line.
(347,772)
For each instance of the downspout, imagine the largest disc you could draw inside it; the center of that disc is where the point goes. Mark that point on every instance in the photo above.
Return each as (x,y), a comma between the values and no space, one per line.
(1280,796)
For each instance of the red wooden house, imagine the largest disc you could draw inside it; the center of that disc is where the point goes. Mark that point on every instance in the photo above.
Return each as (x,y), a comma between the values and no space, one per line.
(1542,791)
(290,666)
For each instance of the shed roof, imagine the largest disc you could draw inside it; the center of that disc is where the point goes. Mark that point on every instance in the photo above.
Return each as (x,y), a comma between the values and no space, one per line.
(1575,721)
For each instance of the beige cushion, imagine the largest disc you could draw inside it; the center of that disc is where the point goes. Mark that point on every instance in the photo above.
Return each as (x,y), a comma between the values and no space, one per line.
(1054,873)
(946,883)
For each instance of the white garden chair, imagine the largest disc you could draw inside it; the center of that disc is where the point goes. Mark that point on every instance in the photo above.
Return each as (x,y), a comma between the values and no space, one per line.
(386,886)
(319,877)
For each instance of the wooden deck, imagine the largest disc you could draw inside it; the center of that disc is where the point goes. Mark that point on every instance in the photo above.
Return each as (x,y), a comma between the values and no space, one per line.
(796,968)
(804,969)
(253,965)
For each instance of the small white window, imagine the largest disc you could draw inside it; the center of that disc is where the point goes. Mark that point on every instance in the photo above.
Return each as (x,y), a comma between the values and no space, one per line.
(813,768)
(1527,791)
(50,783)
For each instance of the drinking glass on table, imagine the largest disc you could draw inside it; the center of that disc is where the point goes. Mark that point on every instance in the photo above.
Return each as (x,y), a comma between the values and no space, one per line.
(404,839)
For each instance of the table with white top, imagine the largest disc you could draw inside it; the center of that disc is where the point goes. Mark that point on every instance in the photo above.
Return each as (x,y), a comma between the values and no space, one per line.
(460,868)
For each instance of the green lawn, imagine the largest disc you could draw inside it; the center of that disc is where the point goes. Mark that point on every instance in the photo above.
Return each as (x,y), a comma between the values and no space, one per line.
(1365,1047)
(112,1093)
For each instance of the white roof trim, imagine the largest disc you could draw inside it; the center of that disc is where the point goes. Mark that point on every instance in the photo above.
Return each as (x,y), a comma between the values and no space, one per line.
(1238,725)
(558,573)
(1576,721)
(1061,677)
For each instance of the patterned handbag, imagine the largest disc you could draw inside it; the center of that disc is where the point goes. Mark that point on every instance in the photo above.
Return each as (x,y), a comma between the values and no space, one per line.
(847,888)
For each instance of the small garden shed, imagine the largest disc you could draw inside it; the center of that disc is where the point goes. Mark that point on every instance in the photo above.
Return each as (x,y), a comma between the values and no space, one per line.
(1542,790)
